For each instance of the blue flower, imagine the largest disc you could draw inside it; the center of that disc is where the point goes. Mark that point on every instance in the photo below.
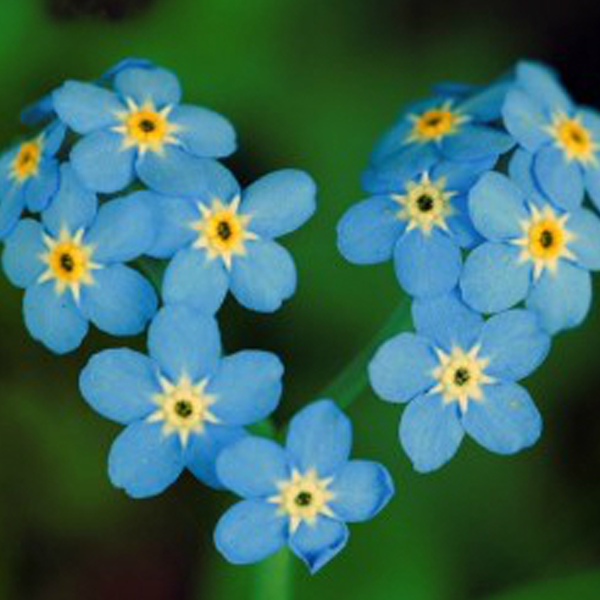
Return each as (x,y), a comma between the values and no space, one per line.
(142,129)
(72,267)
(458,375)
(563,139)
(421,221)
(29,176)
(182,404)
(457,127)
(533,252)
(302,495)
(223,239)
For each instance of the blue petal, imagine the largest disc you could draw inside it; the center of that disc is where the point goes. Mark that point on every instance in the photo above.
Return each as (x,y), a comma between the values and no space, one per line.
(497,207)
(12,203)
(505,420)
(592,183)
(102,162)
(53,319)
(85,107)
(280,202)
(460,224)
(362,489)
(561,180)
(430,432)
(562,299)
(515,344)
(427,264)
(204,449)
(195,280)
(476,141)
(184,343)
(21,257)
(316,544)
(250,531)
(369,230)
(119,384)
(394,140)
(54,136)
(74,207)
(447,321)
(203,132)
(401,368)
(520,170)
(143,461)
(264,278)
(319,437)
(120,301)
(39,190)
(155,85)
(123,230)
(253,467)
(126,63)
(459,176)
(247,387)
(493,279)
(585,226)
(542,84)
(525,119)
(486,105)
(38,112)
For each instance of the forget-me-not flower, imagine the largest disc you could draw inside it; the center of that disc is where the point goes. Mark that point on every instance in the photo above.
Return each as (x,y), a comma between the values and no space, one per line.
(182,404)
(302,495)
(533,251)
(458,374)
(72,267)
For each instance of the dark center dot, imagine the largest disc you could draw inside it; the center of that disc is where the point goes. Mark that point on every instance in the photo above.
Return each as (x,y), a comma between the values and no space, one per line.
(183,409)
(461,376)
(433,121)
(26,158)
(224,230)
(147,126)
(66,262)
(303,499)
(546,239)
(425,203)
(576,136)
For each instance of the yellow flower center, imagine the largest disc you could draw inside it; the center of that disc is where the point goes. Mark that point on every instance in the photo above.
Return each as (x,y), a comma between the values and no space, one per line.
(460,375)
(303,498)
(435,124)
(222,231)
(573,138)
(145,128)
(183,408)
(425,205)
(69,263)
(545,239)
(27,161)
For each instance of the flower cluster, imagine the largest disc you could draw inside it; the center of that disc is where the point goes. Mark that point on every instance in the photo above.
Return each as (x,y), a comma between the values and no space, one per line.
(478,196)
(120,213)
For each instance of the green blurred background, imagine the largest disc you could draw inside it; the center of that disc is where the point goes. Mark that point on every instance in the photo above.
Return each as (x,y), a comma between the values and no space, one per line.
(309,84)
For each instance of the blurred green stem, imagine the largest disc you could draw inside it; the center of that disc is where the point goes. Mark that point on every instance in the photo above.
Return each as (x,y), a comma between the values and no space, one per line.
(274,577)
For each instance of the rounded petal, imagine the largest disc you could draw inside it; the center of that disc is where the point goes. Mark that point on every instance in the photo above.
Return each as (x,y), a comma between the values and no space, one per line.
(525,119)
(542,84)
(247,387)
(39,190)
(585,226)
(21,256)
(430,432)
(362,489)
(592,183)
(486,105)
(143,461)
(121,301)
(85,107)
(53,319)
(123,64)
(393,141)
(119,384)
(319,437)
(460,224)
(12,203)
(369,230)
(493,279)
(460,176)
(427,264)
(520,170)
(252,467)
(196,281)
(505,420)
(401,369)
(102,163)
(155,85)
(476,141)
(515,345)
(561,180)
(497,208)
(562,299)
(74,207)
(250,531)
(280,202)
(264,278)
(203,132)
(184,342)
(317,544)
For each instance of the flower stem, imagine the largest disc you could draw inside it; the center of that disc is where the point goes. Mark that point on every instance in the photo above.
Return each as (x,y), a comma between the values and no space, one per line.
(274,577)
